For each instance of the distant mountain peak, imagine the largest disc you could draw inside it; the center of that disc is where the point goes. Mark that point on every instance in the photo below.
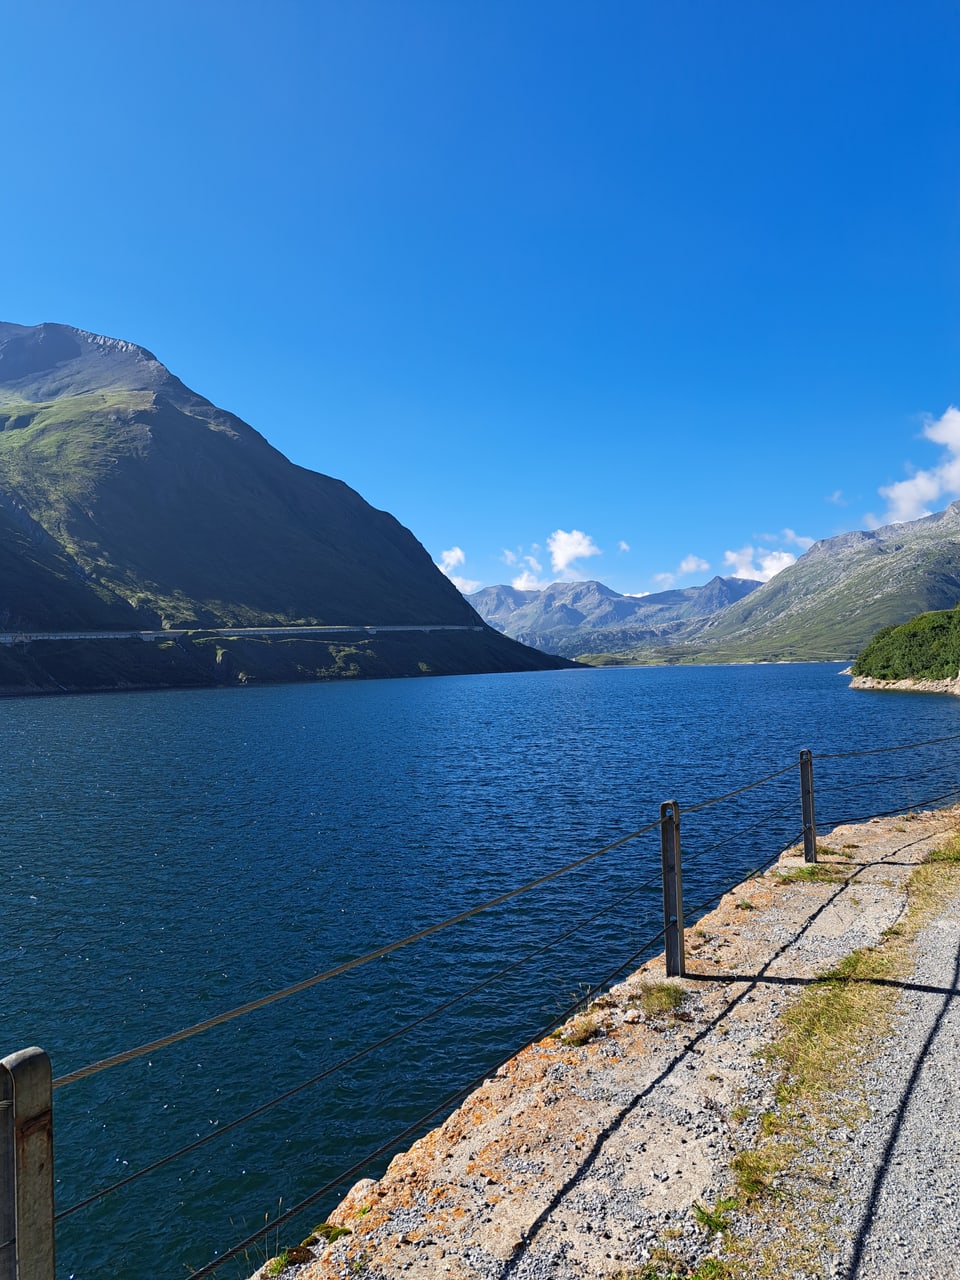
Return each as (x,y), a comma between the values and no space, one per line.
(570,618)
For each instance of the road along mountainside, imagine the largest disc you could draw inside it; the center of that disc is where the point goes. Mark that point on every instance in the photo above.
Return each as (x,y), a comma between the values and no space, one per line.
(653,1136)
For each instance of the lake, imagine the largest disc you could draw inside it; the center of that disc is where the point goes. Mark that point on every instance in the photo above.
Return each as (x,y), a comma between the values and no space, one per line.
(166,857)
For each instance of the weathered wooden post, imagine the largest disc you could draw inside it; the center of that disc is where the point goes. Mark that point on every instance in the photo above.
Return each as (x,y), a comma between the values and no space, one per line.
(672,889)
(806,804)
(26,1167)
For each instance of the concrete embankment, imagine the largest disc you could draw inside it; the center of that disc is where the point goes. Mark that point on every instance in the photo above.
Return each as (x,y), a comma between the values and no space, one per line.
(583,1160)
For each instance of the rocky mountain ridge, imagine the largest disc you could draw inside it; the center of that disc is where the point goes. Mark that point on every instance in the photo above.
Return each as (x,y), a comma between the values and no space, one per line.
(839,593)
(575,617)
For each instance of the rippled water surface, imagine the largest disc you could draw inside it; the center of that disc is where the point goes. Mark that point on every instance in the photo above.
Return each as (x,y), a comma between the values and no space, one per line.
(166,857)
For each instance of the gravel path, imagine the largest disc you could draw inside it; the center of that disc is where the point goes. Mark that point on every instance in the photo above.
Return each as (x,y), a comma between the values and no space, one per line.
(905,1177)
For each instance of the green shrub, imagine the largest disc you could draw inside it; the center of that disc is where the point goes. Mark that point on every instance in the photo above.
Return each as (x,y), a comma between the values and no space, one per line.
(925,648)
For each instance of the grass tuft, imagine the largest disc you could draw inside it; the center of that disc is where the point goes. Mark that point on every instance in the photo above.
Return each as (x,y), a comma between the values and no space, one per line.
(661,997)
(327,1231)
(579,1030)
(294,1257)
(673,1269)
(814,873)
(949,852)
(714,1220)
(755,1172)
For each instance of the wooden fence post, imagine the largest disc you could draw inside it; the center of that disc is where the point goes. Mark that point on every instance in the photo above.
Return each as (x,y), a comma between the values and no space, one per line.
(672,889)
(806,804)
(26,1167)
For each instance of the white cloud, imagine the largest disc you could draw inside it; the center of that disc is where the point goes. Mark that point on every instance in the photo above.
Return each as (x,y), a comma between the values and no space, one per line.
(623,546)
(755,562)
(797,539)
(566,547)
(450,560)
(689,564)
(512,558)
(837,498)
(692,564)
(771,564)
(924,490)
(944,430)
(910,499)
(528,581)
(530,568)
(788,536)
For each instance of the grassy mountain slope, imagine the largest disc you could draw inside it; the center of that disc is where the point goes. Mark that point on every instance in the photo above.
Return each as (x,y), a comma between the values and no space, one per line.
(182,510)
(129,501)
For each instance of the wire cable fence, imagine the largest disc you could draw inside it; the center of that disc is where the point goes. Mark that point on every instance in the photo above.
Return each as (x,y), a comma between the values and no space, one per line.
(128,1055)
(852,786)
(343,1063)
(420,1125)
(726,839)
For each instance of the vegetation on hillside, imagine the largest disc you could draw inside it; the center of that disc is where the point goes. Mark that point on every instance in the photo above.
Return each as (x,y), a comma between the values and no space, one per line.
(925,648)
(207,660)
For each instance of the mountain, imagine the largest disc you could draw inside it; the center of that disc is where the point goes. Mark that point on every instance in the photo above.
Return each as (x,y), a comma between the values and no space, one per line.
(833,599)
(128,501)
(571,618)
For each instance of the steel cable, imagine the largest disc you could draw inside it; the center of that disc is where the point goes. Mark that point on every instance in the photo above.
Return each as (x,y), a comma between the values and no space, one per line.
(689,858)
(693,911)
(931,802)
(705,804)
(219,1019)
(461,917)
(417,1125)
(876,751)
(251,1006)
(356,1057)
(886,780)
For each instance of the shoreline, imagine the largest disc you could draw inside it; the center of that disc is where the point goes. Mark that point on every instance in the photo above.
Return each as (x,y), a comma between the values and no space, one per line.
(576,1161)
(908,685)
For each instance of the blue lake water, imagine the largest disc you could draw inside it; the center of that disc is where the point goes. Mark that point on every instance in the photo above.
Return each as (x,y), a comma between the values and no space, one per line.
(166,857)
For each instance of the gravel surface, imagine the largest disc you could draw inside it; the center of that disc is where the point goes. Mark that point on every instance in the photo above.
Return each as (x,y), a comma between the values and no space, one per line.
(901,1184)
(579,1162)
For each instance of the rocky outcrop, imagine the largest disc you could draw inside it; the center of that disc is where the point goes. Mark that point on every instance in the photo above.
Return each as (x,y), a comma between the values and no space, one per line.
(911,686)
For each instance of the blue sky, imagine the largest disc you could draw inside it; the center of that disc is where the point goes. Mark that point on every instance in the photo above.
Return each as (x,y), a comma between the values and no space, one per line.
(627,290)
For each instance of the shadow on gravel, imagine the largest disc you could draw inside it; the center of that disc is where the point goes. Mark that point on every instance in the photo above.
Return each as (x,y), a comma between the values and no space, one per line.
(591,1157)
(752,981)
(869,1213)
